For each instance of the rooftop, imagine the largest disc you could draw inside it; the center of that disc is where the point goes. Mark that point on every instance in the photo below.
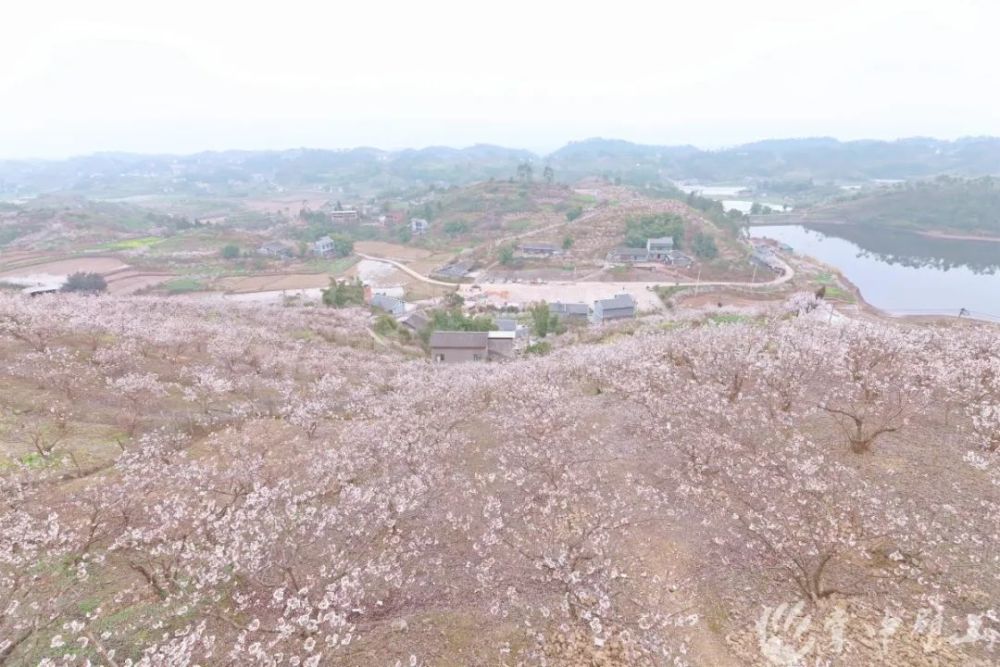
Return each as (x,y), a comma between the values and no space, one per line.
(617,301)
(459,339)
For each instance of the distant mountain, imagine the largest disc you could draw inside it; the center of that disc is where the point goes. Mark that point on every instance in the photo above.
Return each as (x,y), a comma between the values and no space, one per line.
(368,170)
(819,159)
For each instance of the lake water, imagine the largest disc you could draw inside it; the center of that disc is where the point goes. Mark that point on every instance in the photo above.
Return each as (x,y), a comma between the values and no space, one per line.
(901,272)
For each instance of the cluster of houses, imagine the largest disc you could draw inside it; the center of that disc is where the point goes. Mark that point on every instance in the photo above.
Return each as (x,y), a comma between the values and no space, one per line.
(619,307)
(545,250)
(458,346)
(657,250)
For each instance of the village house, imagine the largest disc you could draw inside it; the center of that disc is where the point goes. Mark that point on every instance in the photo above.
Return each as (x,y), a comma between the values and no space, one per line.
(274,249)
(500,345)
(570,311)
(347,215)
(324,246)
(415,321)
(510,324)
(419,226)
(677,258)
(538,250)
(390,304)
(628,255)
(659,249)
(620,306)
(451,347)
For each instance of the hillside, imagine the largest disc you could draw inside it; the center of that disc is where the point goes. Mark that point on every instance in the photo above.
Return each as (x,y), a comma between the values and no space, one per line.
(366,171)
(187,482)
(964,206)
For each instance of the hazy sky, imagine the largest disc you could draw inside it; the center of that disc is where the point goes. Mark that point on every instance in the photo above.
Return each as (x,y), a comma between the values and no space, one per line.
(182,76)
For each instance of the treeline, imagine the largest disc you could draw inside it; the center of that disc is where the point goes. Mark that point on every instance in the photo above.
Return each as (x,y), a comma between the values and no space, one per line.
(944,204)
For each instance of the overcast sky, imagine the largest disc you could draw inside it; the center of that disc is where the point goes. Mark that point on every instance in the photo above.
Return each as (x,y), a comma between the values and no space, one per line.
(183,76)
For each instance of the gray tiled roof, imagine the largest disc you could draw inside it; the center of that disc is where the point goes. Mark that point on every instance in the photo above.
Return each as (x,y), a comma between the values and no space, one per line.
(569,308)
(617,301)
(459,339)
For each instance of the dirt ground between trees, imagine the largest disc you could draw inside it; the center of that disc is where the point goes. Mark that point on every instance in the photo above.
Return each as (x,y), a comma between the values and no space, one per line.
(391,250)
(67,266)
(267,283)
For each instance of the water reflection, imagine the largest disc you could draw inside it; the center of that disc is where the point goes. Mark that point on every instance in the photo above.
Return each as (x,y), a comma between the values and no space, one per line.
(903,272)
(914,250)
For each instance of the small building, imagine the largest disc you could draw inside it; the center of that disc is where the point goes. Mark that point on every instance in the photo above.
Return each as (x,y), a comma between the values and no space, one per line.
(415,321)
(324,246)
(628,255)
(275,249)
(500,345)
(451,347)
(570,311)
(538,250)
(390,304)
(419,226)
(618,307)
(346,215)
(509,324)
(677,258)
(658,249)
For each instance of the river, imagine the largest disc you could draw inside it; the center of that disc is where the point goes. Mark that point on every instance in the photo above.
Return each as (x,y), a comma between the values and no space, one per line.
(902,272)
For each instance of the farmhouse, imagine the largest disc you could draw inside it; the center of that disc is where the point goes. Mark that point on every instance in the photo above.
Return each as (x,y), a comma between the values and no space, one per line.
(419,226)
(274,249)
(570,311)
(347,215)
(390,304)
(500,345)
(510,324)
(415,321)
(620,306)
(451,347)
(324,246)
(537,250)
(677,258)
(628,255)
(657,250)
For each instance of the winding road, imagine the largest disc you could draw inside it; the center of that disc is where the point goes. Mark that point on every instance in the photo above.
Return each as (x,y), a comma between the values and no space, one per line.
(583,290)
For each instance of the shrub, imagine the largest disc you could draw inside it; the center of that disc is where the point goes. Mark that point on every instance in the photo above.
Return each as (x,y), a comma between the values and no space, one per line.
(82,281)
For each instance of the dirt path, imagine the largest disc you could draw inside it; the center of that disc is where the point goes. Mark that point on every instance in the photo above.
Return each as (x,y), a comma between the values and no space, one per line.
(407,270)
(643,292)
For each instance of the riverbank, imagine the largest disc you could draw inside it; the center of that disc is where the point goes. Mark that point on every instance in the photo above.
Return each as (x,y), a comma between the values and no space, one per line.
(933,234)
